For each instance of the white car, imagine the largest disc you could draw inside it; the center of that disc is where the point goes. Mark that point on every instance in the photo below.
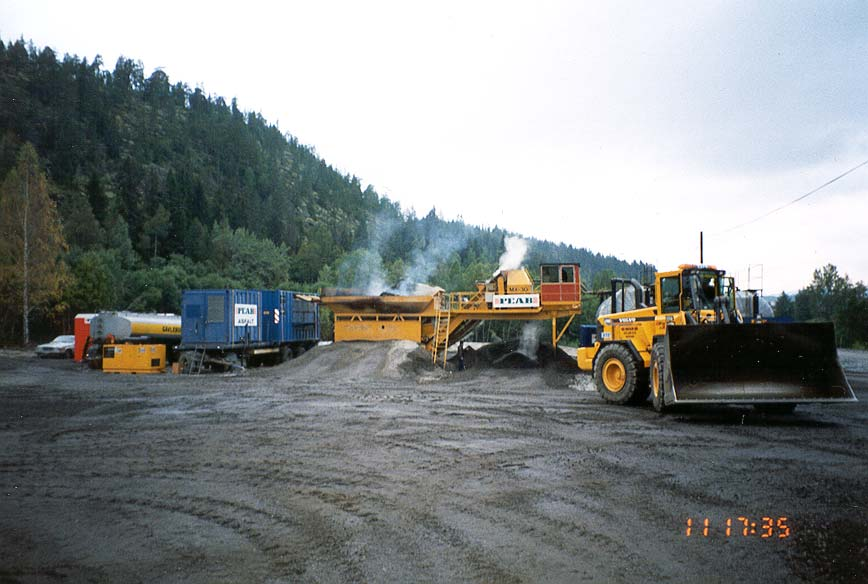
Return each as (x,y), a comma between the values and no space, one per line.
(61,346)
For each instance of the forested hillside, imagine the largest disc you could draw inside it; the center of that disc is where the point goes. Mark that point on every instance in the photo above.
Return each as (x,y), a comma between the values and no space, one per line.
(158,187)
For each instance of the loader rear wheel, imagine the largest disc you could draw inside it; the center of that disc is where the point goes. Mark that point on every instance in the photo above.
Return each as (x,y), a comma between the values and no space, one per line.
(658,378)
(616,374)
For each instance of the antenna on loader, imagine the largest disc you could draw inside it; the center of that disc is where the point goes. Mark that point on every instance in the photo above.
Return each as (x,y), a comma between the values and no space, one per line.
(700,249)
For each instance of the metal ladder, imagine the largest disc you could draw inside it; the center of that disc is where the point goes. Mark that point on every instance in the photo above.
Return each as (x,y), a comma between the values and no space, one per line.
(441,334)
(194,365)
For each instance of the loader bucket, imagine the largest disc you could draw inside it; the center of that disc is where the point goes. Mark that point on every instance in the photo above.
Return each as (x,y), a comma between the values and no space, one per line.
(755,364)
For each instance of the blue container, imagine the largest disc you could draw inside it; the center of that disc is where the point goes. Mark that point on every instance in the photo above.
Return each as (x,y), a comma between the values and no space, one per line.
(223,318)
(586,335)
(235,319)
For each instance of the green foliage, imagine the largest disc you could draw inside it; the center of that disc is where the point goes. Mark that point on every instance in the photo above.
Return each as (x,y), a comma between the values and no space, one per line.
(240,256)
(80,225)
(834,298)
(94,285)
(602,280)
(785,308)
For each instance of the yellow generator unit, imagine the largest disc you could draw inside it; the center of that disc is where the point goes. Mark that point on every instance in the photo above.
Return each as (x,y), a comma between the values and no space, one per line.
(133,358)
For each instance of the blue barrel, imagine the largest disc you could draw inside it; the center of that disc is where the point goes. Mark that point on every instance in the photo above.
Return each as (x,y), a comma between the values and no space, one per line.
(586,335)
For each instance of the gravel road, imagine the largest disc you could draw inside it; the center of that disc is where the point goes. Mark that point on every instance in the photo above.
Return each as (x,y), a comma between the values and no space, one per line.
(359,463)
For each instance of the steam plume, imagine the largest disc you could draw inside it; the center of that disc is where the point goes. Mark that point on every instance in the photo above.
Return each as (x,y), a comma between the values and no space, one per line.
(516,248)
(529,343)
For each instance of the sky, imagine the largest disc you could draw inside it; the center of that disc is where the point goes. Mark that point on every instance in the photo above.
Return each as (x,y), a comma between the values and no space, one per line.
(623,127)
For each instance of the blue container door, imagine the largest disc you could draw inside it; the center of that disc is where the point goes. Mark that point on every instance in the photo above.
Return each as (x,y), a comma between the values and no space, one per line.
(305,321)
(272,317)
(192,317)
(286,303)
(246,315)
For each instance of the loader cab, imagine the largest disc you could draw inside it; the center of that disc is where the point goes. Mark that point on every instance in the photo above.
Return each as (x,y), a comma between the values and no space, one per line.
(691,288)
(560,283)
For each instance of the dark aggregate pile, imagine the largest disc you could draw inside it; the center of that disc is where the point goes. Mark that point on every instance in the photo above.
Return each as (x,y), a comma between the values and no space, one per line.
(506,355)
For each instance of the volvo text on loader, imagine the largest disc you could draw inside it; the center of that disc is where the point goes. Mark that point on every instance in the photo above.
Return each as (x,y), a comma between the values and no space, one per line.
(684,342)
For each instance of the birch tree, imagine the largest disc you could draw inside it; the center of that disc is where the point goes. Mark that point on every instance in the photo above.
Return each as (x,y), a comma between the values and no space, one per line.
(32,271)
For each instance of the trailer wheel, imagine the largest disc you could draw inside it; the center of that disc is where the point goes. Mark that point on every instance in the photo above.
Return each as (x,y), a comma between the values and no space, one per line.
(658,378)
(185,362)
(285,353)
(616,374)
(233,362)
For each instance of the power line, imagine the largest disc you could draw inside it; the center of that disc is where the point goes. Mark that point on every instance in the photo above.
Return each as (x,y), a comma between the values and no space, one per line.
(797,199)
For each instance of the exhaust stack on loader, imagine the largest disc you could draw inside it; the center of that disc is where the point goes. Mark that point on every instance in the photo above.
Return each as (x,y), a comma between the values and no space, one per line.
(685,343)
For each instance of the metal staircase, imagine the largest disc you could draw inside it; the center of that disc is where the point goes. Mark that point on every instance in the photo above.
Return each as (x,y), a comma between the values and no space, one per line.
(441,333)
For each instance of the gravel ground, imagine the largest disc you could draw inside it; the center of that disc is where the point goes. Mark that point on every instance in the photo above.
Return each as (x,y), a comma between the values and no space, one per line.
(358,462)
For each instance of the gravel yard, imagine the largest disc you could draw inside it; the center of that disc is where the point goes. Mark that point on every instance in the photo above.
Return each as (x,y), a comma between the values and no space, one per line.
(360,462)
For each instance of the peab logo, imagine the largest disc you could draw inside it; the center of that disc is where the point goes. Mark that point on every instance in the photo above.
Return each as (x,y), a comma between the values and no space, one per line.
(516,301)
(245,315)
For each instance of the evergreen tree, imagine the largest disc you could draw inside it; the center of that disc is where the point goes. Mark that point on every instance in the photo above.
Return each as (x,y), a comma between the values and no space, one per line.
(31,240)
(785,307)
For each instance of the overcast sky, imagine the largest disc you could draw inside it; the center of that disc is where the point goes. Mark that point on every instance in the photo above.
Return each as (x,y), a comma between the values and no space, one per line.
(623,127)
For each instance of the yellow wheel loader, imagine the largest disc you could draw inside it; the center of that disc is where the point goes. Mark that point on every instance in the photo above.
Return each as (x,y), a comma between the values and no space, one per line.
(684,342)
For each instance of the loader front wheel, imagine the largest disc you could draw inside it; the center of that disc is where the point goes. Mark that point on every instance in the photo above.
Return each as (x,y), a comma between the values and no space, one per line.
(616,374)
(658,377)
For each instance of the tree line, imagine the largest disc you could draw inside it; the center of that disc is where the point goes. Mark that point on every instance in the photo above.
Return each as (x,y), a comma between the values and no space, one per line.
(141,187)
(830,297)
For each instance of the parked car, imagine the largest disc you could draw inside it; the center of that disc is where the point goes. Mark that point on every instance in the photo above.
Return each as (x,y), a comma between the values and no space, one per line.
(61,346)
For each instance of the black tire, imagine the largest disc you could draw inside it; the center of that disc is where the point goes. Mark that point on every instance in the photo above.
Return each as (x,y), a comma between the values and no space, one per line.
(285,353)
(775,408)
(658,379)
(185,362)
(234,361)
(616,374)
(68,354)
(643,388)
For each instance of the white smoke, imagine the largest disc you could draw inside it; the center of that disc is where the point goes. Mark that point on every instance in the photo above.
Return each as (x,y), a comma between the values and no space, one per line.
(363,269)
(529,343)
(516,248)
(425,261)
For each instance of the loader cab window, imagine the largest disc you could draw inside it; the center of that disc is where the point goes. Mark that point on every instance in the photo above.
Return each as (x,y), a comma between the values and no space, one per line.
(700,290)
(549,274)
(568,274)
(669,293)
